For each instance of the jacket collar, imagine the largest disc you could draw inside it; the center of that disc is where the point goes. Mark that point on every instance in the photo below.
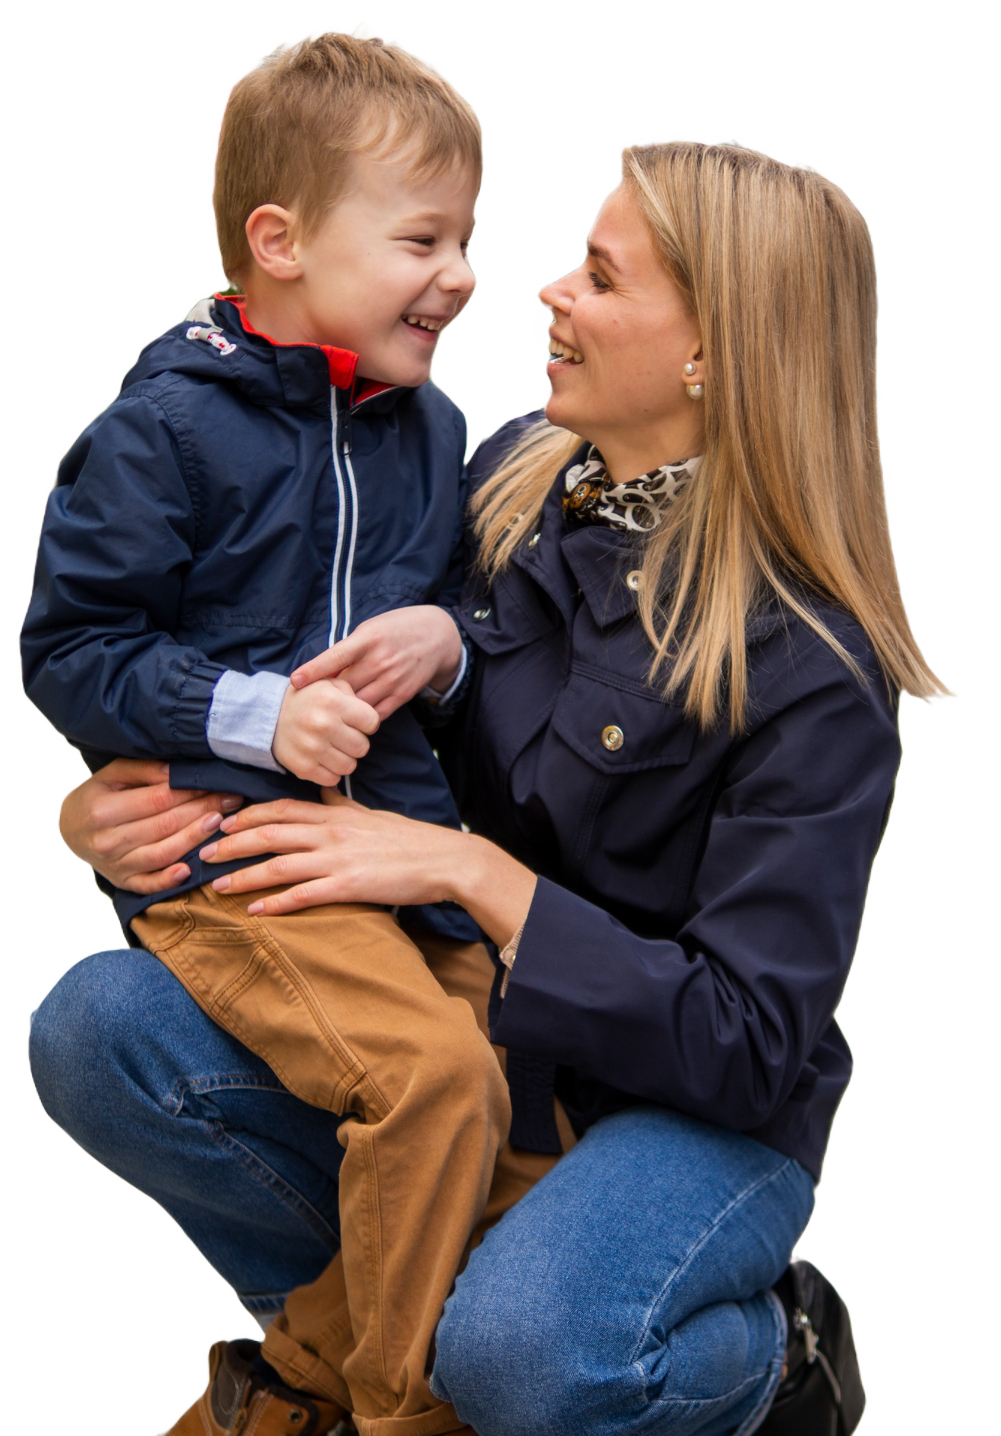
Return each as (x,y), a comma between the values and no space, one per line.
(590,561)
(594,562)
(307,371)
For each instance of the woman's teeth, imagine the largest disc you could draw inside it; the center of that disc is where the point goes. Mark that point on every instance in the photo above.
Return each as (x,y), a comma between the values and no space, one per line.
(418,323)
(564,352)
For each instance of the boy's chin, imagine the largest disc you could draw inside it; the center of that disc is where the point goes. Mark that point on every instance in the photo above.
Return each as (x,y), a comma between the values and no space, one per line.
(405,376)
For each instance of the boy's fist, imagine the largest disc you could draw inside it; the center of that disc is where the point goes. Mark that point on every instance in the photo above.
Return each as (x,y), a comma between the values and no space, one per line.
(321,731)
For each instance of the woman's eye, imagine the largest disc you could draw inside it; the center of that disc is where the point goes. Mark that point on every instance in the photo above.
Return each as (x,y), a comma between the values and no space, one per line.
(597,281)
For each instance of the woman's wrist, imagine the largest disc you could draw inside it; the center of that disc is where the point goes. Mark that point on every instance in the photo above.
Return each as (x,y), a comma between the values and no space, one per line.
(494,888)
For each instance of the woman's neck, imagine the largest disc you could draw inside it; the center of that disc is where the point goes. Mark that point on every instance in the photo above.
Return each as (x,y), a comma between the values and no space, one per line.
(627,455)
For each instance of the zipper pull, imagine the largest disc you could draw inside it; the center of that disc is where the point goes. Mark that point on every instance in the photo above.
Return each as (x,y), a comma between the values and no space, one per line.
(346,436)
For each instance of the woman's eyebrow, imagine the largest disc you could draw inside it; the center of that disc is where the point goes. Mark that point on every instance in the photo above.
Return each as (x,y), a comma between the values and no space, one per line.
(598,251)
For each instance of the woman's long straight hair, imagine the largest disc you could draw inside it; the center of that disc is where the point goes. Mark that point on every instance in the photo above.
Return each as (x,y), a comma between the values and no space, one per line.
(776,264)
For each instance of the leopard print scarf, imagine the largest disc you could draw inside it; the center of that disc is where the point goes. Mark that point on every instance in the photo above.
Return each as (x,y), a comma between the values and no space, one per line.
(593,497)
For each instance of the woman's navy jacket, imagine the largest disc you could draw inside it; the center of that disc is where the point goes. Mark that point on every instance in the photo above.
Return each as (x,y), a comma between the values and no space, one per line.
(700,895)
(240,507)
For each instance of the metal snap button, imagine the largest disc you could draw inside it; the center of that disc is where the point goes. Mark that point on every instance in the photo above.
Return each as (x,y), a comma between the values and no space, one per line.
(481,613)
(534,540)
(613,738)
(634,580)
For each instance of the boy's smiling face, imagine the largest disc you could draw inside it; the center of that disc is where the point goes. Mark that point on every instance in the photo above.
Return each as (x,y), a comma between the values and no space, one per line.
(382,274)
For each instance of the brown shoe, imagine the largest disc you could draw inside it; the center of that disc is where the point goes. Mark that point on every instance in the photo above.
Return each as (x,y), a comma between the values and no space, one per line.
(239,1399)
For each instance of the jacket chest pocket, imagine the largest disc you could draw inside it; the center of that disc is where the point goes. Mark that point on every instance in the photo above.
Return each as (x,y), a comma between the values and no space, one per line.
(616,730)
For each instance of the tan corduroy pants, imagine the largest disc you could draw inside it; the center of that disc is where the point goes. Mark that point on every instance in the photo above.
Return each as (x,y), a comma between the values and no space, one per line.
(354,1017)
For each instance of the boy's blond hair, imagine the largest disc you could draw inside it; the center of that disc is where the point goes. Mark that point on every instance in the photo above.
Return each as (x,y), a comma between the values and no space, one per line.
(291,126)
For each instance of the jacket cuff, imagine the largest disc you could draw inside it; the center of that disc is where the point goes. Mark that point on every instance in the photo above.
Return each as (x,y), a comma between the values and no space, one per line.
(433,695)
(243,716)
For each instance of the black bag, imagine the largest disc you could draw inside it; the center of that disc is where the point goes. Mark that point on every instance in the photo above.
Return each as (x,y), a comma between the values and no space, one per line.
(821,1394)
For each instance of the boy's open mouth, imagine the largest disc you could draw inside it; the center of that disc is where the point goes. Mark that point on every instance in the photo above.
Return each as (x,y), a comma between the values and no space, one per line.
(563,354)
(423,321)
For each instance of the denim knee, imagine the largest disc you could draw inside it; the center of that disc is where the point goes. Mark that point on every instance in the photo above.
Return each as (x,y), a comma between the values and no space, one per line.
(491,1354)
(79,1036)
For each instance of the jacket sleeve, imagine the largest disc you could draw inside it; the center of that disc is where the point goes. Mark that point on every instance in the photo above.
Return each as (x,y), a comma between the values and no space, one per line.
(720,1020)
(117,539)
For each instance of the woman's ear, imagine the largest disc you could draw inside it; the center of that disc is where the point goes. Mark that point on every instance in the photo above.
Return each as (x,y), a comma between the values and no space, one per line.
(271,240)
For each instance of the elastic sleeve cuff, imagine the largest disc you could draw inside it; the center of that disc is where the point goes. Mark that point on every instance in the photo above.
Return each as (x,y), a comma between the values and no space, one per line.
(243,717)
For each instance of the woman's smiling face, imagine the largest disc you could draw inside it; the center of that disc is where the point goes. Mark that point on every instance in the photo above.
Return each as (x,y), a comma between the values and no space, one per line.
(626,335)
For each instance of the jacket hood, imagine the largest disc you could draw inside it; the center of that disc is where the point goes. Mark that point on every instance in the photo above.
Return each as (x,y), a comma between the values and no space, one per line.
(217,342)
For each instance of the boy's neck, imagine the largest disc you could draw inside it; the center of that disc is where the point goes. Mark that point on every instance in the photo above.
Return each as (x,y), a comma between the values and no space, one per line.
(276,308)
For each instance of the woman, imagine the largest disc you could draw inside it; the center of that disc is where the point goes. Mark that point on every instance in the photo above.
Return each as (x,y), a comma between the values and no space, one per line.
(676,759)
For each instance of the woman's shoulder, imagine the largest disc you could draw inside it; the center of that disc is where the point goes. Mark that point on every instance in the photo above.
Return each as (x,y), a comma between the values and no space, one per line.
(791,654)
(492,452)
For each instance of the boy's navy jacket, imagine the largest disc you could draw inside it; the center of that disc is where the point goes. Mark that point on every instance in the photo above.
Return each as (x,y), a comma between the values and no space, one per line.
(240,506)
(700,892)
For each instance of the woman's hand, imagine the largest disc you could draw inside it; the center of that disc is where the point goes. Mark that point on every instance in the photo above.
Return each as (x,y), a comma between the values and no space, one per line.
(343,852)
(128,823)
(392,657)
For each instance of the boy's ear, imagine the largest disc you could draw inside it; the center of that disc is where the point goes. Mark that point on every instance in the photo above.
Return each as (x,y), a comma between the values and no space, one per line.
(271,240)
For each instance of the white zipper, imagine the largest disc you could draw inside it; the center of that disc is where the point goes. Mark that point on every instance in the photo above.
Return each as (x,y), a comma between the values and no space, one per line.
(339,545)
(350,564)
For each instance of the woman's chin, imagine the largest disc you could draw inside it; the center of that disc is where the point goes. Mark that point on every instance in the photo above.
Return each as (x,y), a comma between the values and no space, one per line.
(562,413)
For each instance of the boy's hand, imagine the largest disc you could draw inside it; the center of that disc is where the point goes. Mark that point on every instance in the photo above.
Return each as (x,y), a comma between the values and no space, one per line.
(392,657)
(321,731)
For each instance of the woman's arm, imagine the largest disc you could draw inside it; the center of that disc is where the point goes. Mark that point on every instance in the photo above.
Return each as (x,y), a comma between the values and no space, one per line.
(130,825)
(342,852)
(720,1019)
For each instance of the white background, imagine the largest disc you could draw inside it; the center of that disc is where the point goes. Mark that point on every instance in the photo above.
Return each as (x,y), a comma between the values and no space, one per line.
(113,113)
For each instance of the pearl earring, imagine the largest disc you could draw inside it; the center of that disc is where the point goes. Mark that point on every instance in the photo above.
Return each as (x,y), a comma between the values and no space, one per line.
(695,391)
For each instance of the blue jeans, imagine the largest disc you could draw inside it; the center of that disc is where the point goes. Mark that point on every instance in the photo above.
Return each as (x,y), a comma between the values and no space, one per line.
(627,1293)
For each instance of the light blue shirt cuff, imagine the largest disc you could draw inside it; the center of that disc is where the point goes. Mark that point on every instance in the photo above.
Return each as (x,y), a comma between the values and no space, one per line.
(243,716)
(432,694)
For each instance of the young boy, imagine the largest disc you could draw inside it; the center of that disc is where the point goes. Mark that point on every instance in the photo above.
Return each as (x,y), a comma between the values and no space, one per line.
(277,473)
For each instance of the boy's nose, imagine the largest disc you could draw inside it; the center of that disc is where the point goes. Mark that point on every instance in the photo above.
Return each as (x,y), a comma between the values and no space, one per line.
(459,277)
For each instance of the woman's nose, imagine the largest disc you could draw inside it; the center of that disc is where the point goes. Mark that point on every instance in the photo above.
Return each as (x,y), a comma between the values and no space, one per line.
(558,294)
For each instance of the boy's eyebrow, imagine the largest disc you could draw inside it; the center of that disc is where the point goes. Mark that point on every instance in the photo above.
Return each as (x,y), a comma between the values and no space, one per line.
(598,251)
(428,216)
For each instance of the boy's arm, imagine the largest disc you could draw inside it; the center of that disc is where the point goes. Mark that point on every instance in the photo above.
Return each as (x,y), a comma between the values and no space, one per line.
(98,659)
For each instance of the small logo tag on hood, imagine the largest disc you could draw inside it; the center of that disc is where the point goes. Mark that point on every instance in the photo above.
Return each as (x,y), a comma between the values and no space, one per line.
(212,336)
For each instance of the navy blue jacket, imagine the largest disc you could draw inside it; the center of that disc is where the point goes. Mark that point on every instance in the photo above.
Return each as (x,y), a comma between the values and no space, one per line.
(700,894)
(241,505)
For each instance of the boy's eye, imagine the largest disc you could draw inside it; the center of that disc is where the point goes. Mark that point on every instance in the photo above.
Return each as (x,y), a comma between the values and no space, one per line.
(426,239)
(597,281)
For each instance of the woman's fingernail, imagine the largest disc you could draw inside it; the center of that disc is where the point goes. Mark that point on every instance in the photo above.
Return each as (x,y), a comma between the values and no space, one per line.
(255,908)
(180,873)
(221,884)
(209,852)
(226,824)
(230,804)
(210,822)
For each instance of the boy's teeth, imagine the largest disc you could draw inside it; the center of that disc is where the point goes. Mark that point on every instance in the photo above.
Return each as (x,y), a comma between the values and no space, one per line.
(564,352)
(418,323)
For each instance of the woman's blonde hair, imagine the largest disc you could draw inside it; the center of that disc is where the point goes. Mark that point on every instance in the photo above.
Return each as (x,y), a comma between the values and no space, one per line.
(776,264)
